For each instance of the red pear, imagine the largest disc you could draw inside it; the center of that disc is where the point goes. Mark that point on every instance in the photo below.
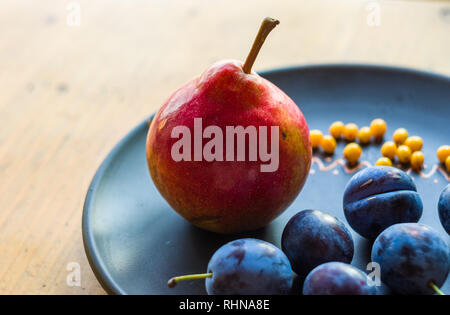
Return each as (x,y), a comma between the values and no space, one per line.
(195,160)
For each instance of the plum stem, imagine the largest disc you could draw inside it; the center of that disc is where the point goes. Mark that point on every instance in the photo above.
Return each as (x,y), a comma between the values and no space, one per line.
(435,288)
(267,25)
(173,281)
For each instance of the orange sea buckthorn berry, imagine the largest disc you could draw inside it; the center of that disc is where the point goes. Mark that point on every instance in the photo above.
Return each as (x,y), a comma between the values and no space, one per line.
(443,152)
(352,152)
(400,135)
(328,144)
(404,153)
(389,150)
(315,137)
(378,128)
(350,132)
(384,161)
(364,135)
(336,129)
(447,163)
(417,159)
(415,143)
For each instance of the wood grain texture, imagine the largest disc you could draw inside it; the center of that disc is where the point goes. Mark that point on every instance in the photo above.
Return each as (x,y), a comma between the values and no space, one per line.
(68,94)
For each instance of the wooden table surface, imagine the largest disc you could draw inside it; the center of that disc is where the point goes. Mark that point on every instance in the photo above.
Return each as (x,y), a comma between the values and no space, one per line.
(69,92)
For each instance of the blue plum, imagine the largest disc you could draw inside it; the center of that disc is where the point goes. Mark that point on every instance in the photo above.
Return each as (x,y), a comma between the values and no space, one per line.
(312,237)
(249,267)
(336,278)
(411,255)
(378,197)
(444,208)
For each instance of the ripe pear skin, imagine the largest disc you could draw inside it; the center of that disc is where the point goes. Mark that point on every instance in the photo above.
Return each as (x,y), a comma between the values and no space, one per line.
(229,196)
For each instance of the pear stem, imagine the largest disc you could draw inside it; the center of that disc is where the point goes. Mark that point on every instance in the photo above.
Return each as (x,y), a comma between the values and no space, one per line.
(267,25)
(435,288)
(173,281)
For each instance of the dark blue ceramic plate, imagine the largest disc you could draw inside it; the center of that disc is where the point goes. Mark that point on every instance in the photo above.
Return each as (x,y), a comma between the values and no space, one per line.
(135,242)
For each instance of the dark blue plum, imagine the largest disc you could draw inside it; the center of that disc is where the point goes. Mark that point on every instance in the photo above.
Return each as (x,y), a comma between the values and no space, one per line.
(312,237)
(336,278)
(249,267)
(378,197)
(444,208)
(410,256)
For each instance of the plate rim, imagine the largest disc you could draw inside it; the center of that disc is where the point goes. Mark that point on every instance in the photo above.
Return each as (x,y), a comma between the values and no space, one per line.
(97,266)
(99,269)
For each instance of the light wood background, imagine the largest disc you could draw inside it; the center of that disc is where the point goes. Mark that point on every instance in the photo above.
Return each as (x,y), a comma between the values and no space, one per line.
(69,93)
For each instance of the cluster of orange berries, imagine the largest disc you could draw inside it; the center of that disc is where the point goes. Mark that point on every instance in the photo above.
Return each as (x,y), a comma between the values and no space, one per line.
(350,132)
(443,154)
(405,148)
